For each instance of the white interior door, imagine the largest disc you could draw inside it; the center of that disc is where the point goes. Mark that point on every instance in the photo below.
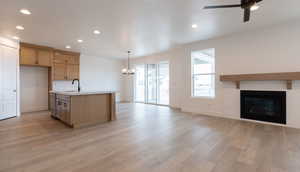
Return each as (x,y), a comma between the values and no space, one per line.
(8,82)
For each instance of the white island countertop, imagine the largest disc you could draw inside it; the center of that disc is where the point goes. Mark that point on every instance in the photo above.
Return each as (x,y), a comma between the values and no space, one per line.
(76,93)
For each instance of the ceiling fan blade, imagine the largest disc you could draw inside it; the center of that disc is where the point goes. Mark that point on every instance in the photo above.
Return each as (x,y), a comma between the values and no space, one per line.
(246,14)
(222,6)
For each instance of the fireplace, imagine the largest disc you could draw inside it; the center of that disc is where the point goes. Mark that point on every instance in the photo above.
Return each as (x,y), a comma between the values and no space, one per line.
(268,106)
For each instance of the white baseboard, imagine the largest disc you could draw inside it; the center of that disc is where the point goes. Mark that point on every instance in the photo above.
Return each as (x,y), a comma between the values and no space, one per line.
(221,115)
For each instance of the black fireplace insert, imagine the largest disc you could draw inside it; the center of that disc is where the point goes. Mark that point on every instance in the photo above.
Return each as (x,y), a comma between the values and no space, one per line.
(268,106)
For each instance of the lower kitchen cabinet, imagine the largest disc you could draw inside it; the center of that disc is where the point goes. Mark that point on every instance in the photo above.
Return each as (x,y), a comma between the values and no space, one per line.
(84,109)
(63,109)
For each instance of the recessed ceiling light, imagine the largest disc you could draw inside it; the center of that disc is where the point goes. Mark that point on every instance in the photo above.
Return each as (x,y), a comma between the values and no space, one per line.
(20,27)
(194,26)
(68,47)
(97,32)
(25,11)
(254,7)
(80,40)
(16,38)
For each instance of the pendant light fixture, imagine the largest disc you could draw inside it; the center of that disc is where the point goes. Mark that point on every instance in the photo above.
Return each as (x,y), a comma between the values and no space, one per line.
(128,70)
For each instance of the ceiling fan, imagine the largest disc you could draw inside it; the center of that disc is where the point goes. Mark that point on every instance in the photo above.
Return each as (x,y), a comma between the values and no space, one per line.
(246,5)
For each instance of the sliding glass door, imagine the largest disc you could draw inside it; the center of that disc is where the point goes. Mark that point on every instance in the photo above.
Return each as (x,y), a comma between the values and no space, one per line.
(140,81)
(163,83)
(152,83)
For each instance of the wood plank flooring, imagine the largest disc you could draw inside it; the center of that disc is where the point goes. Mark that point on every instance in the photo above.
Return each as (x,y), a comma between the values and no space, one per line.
(147,138)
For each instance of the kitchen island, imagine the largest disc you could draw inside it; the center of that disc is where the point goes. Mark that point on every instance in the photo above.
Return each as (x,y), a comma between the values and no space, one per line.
(80,109)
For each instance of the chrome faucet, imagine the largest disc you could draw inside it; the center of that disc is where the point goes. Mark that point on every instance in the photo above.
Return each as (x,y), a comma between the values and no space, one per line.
(78,86)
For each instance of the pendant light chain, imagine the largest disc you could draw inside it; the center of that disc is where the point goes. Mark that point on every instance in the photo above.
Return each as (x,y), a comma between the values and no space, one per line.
(128,67)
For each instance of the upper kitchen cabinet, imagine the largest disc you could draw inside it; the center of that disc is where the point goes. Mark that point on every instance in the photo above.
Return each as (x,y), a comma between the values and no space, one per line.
(35,55)
(72,71)
(66,65)
(44,57)
(27,56)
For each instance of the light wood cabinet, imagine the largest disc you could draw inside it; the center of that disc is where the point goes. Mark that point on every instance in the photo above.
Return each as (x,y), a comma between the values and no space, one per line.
(62,65)
(44,58)
(59,71)
(73,60)
(62,108)
(34,55)
(52,99)
(72,71)
(28,56)
(85,109)
(66,65)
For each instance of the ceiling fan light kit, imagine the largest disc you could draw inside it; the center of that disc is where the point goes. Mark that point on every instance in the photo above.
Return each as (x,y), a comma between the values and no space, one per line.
(246,5)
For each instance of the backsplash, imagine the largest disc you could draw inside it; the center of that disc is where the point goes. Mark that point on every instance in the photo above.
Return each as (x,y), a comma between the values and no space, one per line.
(64,86)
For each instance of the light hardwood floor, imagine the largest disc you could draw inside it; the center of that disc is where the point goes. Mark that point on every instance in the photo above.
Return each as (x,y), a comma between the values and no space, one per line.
(147,138)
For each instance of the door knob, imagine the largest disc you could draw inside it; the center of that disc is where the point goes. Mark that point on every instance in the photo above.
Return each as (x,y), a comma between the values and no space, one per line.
(14,91)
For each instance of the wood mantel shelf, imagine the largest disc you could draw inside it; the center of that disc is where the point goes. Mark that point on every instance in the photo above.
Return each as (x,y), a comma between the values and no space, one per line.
(289,77)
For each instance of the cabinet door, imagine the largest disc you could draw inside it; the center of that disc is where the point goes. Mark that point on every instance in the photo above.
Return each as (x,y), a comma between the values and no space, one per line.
(44,57)
(73,60)
(58,58)
(28,56)
(59,70)
(52,103)
(72,71)
(66,113)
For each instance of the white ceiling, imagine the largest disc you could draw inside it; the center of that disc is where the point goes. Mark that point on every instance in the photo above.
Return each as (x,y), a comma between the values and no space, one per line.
(143,26)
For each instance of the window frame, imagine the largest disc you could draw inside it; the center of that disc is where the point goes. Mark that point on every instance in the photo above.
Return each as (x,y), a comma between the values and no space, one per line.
(213,76)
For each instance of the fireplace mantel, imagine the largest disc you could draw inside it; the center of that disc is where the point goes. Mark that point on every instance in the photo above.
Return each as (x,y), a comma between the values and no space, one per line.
(289,77)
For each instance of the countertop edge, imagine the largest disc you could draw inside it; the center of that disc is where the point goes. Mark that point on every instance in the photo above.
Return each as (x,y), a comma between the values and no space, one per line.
(81,93)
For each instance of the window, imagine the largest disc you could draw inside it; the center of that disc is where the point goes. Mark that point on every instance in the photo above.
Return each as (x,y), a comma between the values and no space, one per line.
(203,73)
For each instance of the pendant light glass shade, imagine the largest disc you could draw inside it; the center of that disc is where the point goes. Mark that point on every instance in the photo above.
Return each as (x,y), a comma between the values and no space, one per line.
(128,70)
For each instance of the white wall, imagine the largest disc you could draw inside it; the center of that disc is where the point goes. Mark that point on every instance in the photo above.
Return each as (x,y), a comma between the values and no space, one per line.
(272,49)
(96,74)
(34,88)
